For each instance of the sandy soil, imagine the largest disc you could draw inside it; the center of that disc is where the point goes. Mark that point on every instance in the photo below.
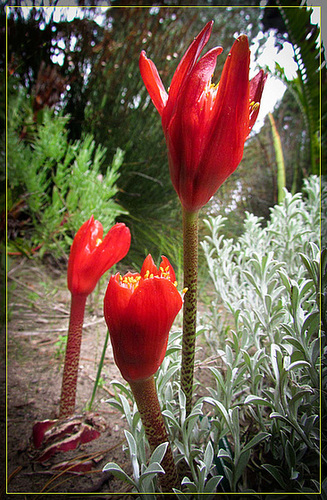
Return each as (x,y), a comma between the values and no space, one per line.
(38,315)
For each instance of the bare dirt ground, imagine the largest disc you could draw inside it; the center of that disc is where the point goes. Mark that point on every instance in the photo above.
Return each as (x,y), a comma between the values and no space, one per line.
(38,315)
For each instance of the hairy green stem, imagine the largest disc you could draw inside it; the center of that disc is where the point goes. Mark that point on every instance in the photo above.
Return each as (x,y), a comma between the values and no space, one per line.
(190,240)
(146,398)
(73,349)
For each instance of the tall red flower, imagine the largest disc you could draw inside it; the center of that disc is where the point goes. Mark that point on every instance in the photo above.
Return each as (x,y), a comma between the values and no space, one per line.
(90,256)
(205,125)
(139,309)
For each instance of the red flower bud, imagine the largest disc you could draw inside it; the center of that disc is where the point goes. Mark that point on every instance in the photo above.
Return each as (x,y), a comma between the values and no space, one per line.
(205,125)
(140,309)
(90,256)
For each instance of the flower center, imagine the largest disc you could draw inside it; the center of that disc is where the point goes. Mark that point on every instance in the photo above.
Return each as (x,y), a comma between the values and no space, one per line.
(131,281)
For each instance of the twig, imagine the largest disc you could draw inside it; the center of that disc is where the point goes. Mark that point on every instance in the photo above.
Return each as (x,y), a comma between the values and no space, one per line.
(55,329)
(84,457)
(102,387)
(11,271)
(26,286)
(14,473)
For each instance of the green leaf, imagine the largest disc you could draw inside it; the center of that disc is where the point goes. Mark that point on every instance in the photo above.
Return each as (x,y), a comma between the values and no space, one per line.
(220,407)
(274,471)
(159,453)
(241,464)
(290,455)
(297,364)
(119,473)
(256,440)
(208,456)
(212,484)
(131,442)
(151,471)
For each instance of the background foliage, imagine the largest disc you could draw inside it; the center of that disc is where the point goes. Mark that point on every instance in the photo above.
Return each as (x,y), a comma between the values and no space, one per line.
(87,68)
(58,181)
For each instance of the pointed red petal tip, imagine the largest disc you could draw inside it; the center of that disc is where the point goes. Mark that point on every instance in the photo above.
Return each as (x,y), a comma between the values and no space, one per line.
(149,265)
(164,264)
(152,81)
(241,45)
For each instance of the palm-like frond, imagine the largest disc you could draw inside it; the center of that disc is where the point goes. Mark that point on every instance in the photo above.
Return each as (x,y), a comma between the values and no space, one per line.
(310,58)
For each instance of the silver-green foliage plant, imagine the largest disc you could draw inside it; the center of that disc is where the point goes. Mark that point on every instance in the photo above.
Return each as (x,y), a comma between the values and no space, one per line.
(257,430)
(268,282)
(62,182)
(189,435)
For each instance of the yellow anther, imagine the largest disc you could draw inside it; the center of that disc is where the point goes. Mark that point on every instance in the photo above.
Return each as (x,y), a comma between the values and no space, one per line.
(167,269)
(254,105)
(184,291)
(151,275)
(98,242)
(147,274)
(131,281)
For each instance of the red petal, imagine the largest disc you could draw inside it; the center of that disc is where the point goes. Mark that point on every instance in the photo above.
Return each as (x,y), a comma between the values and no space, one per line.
(115,305)
(153,82)
(113,248)
(193,117)
(256,88)
(88,261)
(95,233)
(77,254)
(164,264)
(224,145)
(184,68)
(149,265)
(145,328)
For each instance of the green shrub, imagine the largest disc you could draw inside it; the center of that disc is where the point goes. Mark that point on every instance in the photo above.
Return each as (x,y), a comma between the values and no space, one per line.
(268,284)
(59,180)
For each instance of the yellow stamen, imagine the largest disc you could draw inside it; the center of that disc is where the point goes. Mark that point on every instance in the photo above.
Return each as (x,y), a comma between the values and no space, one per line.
(254,105)
(131,281)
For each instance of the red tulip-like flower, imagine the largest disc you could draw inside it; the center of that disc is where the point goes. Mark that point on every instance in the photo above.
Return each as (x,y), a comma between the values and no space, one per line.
(205,125)
(90,256)
(139,309)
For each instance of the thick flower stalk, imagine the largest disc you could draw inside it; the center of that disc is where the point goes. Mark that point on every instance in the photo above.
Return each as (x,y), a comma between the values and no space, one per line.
(139,309)
(90,257)
(205,127)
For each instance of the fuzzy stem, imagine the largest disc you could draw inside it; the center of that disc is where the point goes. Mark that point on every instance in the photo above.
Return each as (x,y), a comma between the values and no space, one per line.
(190,240)
(146,398)
(69,380)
